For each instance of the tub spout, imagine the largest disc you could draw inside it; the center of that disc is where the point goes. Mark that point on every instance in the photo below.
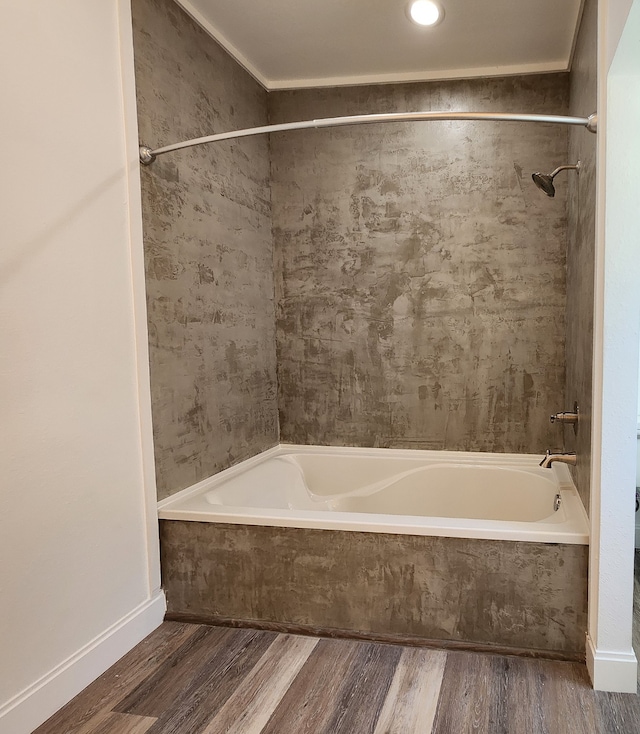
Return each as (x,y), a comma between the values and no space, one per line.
(564,458)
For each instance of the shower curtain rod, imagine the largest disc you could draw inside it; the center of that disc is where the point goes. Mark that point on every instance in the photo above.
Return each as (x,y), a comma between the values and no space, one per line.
(147,155)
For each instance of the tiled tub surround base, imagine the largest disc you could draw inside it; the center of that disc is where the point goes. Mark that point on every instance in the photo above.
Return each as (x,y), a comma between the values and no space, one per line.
(385,577)
(507,594)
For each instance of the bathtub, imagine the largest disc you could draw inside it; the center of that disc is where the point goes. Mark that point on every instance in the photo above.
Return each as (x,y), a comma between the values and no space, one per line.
(452,549)
(440,493)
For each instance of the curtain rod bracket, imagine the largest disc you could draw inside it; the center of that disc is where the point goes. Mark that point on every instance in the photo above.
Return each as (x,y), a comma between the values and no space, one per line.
(146,155)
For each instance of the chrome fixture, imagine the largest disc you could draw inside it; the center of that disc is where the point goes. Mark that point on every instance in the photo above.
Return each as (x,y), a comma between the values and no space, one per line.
(567,416)
(563,458)
(148,155)
(557,502)
(544,181)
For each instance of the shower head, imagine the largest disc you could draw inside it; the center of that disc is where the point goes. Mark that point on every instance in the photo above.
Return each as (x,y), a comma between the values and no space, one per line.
(544,181)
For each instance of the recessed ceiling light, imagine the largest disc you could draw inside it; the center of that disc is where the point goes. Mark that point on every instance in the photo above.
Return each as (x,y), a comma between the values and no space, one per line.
(425,12)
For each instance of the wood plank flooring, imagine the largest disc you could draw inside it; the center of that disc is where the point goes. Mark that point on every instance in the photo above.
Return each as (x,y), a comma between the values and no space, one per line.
(195,679)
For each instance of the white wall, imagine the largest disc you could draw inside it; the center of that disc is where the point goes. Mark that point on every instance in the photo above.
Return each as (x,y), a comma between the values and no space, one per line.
(79,580)
(639,392)
(615,14)
(610,657)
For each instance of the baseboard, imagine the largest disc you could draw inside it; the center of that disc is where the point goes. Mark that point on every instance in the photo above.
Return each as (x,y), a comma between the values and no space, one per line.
(391,639)
(36,703)
(612,671)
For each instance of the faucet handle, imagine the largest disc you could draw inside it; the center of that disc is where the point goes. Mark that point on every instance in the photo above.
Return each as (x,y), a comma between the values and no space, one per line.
(564,417)
(567,416)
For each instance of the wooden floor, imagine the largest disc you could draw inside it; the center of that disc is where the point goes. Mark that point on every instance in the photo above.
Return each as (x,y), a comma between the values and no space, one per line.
(195,679)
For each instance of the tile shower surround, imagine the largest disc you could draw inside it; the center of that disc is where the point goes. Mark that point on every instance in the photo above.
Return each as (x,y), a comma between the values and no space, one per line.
(581,250)
(419,275)
(208,252)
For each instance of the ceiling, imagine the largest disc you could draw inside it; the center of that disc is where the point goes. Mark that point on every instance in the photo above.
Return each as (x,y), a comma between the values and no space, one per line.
(288,44)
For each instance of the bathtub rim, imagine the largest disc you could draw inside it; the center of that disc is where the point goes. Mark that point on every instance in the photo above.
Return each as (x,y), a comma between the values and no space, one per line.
(574,532)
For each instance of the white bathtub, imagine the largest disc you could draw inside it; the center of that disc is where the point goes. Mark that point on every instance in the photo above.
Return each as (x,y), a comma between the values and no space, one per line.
(442,493)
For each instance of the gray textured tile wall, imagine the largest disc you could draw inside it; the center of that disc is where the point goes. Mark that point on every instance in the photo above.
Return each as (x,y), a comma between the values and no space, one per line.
(581,247)
(522,595)
(207,233)
(420,276)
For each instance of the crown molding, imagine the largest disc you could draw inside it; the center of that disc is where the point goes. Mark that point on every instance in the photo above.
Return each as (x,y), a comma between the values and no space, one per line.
(420,76)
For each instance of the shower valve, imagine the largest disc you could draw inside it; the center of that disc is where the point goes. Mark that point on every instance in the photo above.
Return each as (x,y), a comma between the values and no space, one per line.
(565,417)
(571,417)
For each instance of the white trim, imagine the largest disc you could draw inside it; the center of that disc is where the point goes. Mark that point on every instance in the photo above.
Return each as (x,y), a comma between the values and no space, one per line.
(593,610)
(218,36)
(612,670)
(612,664)
(36,703)
(551,67)
(136,249)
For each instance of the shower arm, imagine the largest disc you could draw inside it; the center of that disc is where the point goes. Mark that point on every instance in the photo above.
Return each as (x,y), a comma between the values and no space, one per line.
(576,167)
(147,155)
